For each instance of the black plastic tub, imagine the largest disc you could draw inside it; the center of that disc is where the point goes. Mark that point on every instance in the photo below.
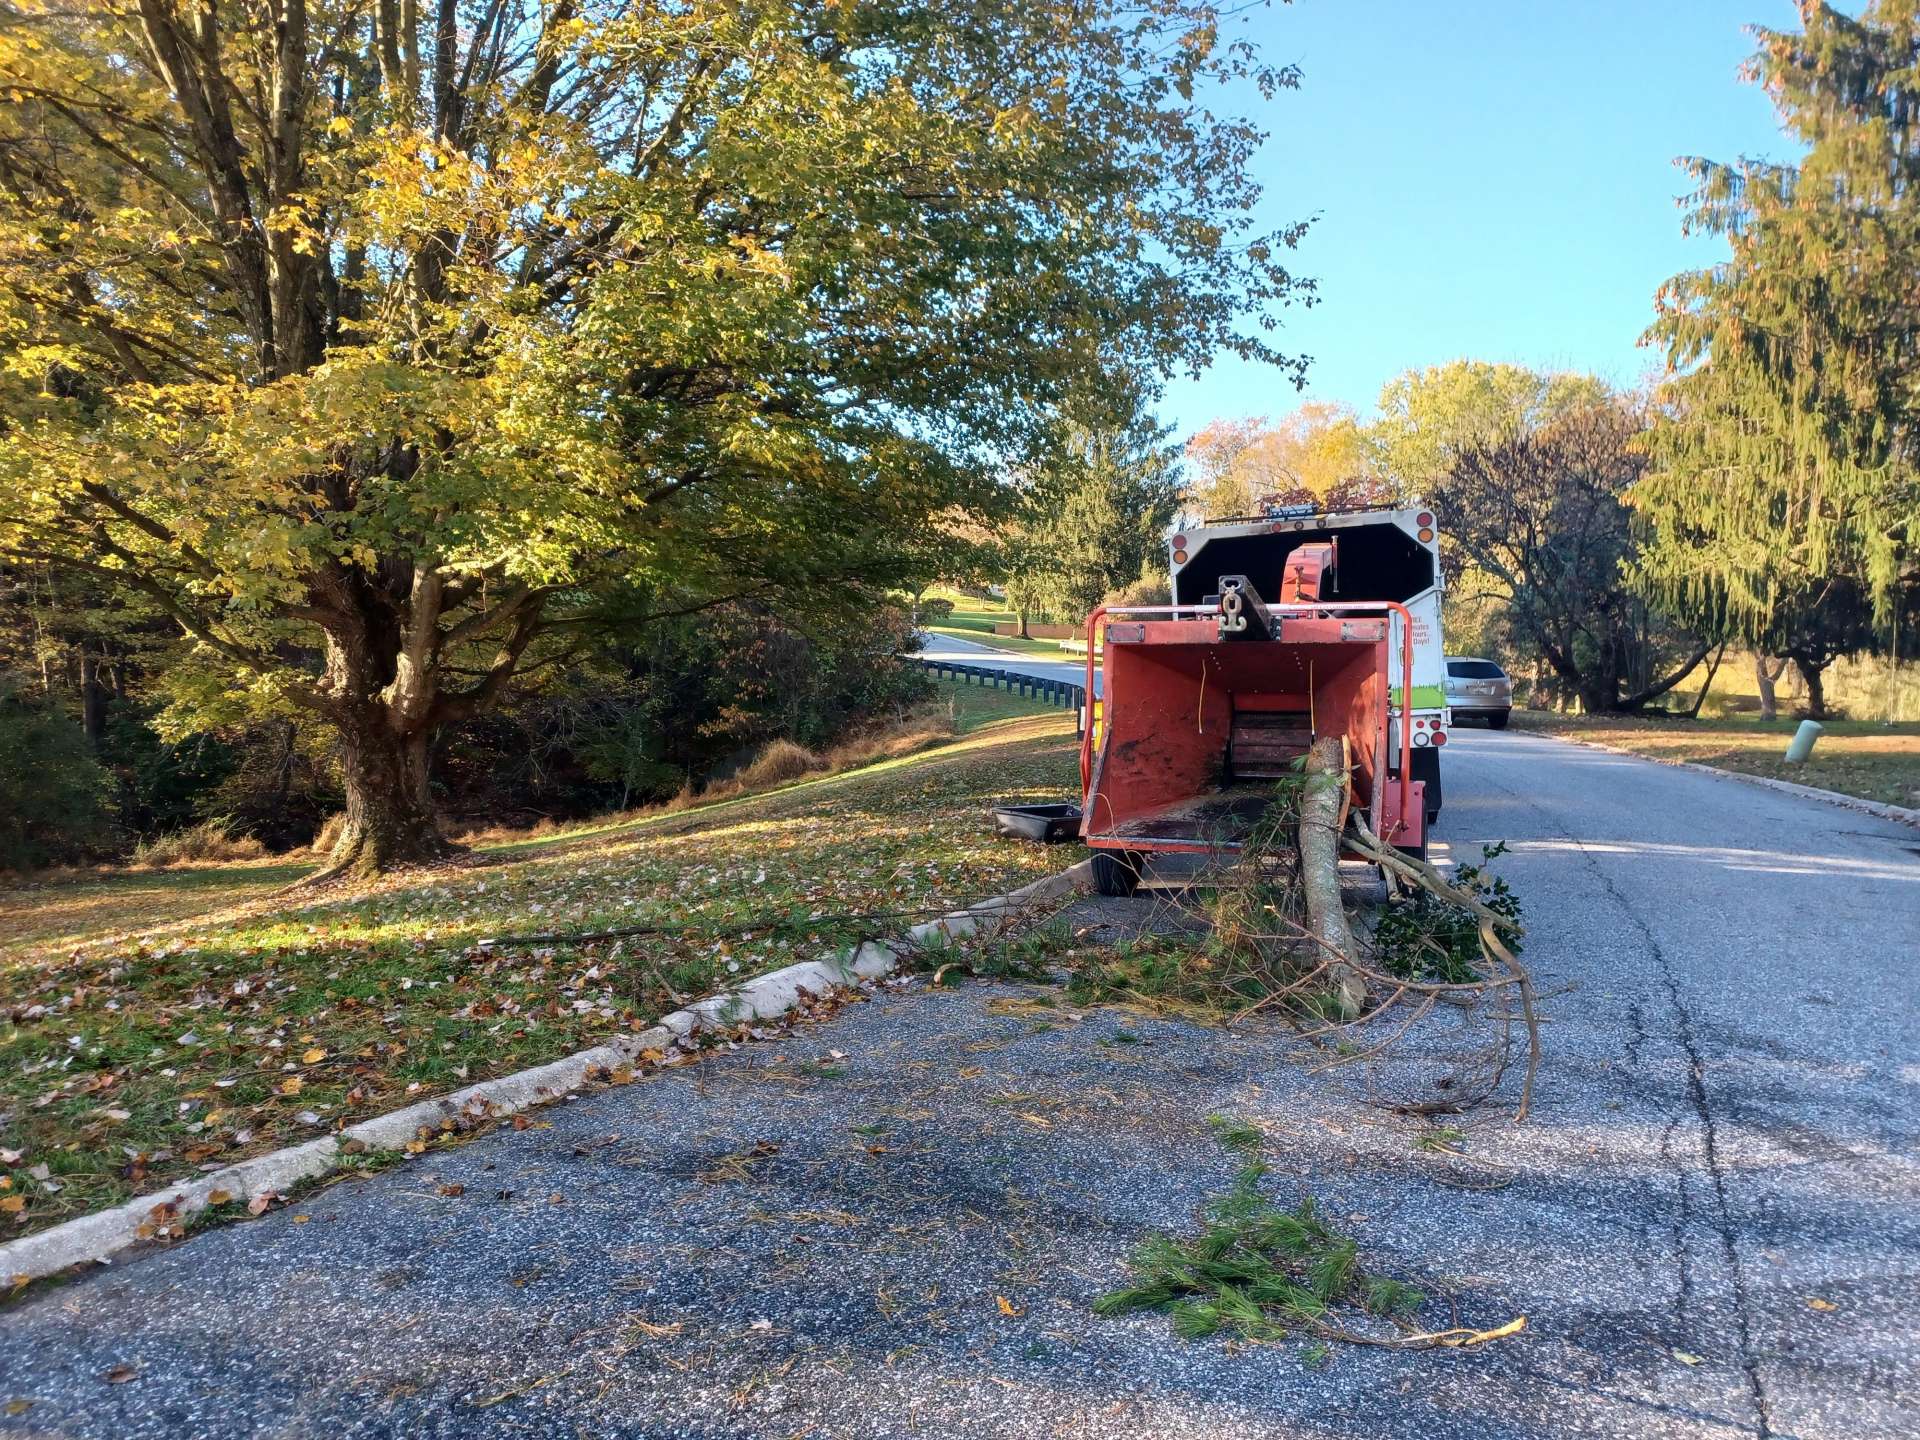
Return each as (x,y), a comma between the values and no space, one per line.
(1049,824)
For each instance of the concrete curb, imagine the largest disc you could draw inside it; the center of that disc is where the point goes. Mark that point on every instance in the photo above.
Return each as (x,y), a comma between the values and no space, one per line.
(1899,814)
(97,1237)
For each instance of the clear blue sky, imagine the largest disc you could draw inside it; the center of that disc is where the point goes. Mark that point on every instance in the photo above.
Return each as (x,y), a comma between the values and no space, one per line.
(1494,179)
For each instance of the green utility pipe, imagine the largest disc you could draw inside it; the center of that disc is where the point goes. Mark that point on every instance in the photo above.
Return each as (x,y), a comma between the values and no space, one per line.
(1801,746)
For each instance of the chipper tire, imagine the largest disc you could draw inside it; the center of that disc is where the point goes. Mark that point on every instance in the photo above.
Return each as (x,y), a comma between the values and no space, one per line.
(1116,873)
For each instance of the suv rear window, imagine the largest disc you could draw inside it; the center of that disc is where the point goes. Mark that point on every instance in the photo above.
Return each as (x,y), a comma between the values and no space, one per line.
(1474,670)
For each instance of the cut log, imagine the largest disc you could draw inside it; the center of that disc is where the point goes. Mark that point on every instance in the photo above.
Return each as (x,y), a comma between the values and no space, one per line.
(1322,816)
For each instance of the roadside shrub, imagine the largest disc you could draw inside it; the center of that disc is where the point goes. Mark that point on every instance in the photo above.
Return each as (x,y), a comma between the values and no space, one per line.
(209,842)
(1147,590)
(53,793)
(778,762)
(935,611)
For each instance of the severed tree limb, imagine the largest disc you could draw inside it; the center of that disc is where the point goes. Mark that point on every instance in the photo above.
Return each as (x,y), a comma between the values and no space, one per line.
(1320,819)
(1425,876)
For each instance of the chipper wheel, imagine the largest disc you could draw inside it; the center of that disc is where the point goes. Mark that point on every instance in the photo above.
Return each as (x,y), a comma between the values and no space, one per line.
(1117,872)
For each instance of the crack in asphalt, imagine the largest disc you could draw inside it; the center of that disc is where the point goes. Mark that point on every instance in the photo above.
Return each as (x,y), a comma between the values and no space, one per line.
(1721,1222)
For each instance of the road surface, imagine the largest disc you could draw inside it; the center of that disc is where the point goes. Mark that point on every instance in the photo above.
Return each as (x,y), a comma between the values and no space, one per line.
(894,1223)
(987,657)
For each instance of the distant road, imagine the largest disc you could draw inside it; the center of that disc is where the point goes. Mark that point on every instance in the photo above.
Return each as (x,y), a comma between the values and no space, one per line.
(972,652)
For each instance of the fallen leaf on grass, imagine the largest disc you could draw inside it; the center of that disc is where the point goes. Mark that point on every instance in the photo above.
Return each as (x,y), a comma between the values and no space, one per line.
(291,1085)
(313,1056)
(13,1204)
(261,1203)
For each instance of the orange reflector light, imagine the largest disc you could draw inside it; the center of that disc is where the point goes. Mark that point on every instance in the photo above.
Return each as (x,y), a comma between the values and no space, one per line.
(1179,557)
(1426,535)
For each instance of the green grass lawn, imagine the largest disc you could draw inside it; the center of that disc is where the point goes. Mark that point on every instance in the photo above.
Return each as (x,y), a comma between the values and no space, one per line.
(151,1024)
(974,619)
(973,706)
(1856,757)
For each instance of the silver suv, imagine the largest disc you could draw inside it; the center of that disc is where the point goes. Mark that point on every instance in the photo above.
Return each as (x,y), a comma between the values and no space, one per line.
(1478,689)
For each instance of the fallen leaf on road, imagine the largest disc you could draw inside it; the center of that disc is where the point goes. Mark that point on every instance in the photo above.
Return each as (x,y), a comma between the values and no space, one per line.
(1685,1359)
(120,1374)
(1007,1307)
(1816,1303)
(301,1219)
(19,1407)
(453,1189)
(261,1202)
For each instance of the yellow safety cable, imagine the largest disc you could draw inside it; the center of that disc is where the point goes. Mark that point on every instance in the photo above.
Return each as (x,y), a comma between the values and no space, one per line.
(1313,725)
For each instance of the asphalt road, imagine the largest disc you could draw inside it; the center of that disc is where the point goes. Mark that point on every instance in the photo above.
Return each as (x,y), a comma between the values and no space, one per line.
(894,1223)
(970,652)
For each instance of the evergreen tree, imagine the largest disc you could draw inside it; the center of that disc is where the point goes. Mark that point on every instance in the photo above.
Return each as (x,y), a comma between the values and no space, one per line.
(1783,481)
(1095,515)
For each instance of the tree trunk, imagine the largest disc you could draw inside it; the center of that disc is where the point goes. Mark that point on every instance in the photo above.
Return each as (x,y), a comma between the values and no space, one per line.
(1023,624)
(1660,687)
(1322,808)
(389,819)
(93,700)
(1814,673)
(1707,684)
(1765,672)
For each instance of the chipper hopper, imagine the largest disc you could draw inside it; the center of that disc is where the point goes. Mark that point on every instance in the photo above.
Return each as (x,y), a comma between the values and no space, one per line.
(1207,705)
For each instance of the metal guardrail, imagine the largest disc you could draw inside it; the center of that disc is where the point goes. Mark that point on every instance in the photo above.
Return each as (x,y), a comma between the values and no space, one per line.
(1062,693)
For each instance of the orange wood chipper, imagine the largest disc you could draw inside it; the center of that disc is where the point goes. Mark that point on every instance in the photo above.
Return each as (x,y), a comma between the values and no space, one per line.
(1206,705)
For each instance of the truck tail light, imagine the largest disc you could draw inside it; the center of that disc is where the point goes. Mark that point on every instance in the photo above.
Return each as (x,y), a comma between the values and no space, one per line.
(1439,737)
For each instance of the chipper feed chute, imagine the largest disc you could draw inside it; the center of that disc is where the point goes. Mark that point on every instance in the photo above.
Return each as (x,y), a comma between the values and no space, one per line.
(1206,706)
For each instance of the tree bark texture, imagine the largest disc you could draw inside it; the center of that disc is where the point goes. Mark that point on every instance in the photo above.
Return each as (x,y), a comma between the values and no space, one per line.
(1322,815)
